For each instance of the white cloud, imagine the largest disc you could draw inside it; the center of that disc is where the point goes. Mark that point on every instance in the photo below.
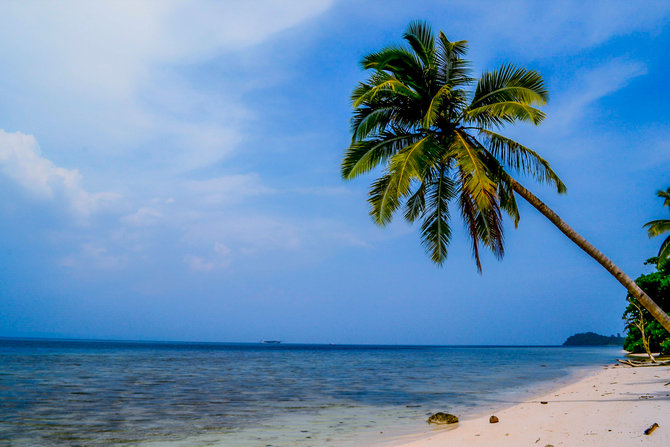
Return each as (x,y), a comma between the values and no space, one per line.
(198,263)
(112,67)
(587,88)
(143,217)
(541,29)
(221,249)
(574,109)
(228,189)
(22,161)
(93,255)
(108,46)
(218,258)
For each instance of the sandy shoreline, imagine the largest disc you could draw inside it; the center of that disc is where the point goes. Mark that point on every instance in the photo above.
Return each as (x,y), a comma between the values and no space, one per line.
(610,407)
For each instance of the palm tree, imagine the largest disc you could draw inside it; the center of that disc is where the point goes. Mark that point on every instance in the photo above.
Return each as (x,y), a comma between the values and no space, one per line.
(660,226)
(438,142)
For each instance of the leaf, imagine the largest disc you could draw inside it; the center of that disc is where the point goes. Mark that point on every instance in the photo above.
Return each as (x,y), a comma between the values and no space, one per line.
(508,201)
(521,159)
(454,70)
(664,251)
(408,164)
(363,156)
(510,84)
(405,66)
(435,229)
(664,195)
(657,227)
(389,85)
(476,176)
(483,224)
(507,111)
(383,200)
(416,203)
(435,105)
(419,35)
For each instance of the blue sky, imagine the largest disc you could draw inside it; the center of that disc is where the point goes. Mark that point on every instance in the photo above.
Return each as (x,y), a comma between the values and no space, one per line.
(170,170)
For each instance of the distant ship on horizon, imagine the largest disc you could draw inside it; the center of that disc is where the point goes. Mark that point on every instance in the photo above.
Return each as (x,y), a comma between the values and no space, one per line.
(270,342)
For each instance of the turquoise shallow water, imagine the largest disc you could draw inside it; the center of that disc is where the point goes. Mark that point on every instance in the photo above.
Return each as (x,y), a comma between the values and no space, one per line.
(126,393)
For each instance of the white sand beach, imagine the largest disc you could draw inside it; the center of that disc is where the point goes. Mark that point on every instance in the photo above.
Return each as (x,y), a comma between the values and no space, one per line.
(613,407)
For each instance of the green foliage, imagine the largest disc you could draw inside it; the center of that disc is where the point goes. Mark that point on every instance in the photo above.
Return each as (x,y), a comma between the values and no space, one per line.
(593,339)
(433,132)
(657,286)
(660,226)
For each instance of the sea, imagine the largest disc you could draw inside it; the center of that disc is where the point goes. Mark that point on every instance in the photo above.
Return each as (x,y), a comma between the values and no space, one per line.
(101,393)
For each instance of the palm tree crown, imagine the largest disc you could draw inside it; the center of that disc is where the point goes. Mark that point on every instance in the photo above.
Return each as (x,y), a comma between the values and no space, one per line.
(434,131)
(660,226)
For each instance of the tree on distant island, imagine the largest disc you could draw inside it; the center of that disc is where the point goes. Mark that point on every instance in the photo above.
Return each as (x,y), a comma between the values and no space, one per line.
(593,339)
(660,226)
(657,285)
(418,117)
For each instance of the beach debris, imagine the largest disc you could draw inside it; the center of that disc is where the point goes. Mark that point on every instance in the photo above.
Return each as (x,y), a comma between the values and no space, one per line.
(493,419)
(646,396)
(544,402)
(636,363)
(651,429)
(442,418)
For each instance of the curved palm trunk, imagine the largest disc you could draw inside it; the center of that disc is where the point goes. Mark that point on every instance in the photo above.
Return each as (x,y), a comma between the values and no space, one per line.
(596,254)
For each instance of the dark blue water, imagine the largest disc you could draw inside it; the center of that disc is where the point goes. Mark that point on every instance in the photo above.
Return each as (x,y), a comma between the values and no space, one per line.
(123,393)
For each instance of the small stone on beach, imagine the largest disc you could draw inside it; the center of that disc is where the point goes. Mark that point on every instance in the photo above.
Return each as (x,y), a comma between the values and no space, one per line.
(493,419)
(442,418)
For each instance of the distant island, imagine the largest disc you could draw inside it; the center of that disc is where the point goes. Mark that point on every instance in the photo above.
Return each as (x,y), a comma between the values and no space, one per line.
(593,339)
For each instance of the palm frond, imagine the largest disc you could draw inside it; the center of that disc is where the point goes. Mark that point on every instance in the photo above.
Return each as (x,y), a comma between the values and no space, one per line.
(483,221)
(468,213)
(435,229)
(403,63)
(371,120)
(521,159)
(508,203)
(390,84)
(657,227)
(454,70)
(404,167)
(664,252)
(409,164)
(477,180)
(504,111)
(364,155)
(510,83)
(442,95)
(664,195)
(419,35)
(416,203)
(490,228)
(383,200)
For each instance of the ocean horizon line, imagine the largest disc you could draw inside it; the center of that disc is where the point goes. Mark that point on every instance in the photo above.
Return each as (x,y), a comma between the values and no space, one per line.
(273,345)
